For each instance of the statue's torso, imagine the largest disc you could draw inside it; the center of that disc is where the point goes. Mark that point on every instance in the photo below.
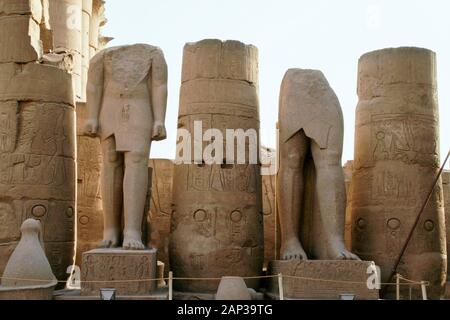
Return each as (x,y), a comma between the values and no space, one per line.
(126,110)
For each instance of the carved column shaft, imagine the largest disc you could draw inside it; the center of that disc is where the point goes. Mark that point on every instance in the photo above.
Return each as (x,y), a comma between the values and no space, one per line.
(396,162)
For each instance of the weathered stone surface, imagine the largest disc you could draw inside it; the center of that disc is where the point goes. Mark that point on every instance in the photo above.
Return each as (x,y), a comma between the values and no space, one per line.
(31,8)
(33,293)
(75,24)
(348,175)
(323,279)
(35,82)
(65,21)
(19,39)
(217,223)
(214,59)
(37,166)
(233,288)
(88,6)
(396,162)
(271,225)
(311,186)
(446,191)
(119,269)
(126,106)
(89,201)
(28,266)
(98,21)
(158,220)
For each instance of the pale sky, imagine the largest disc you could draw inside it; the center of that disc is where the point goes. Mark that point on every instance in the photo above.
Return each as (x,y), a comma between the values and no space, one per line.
(328,35)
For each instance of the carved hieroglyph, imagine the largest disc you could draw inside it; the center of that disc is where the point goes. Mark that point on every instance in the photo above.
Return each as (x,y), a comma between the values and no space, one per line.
(37,142)
(323,279)
(396,162)
(129,272)
(217,223)
(89,201)
(446,190)
(158,219)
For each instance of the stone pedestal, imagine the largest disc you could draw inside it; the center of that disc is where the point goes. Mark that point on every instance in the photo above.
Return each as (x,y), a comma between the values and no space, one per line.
(325,280)
(119,269)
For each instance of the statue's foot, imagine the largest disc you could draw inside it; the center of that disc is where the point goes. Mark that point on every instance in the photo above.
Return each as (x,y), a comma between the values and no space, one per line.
(132,241)
(293,250)
(110,239)
(340,253)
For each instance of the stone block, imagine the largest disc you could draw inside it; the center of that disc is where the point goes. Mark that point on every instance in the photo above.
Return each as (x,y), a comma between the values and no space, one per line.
(35,82)
(324,280)
(124,270)
(22,7)
(19,39)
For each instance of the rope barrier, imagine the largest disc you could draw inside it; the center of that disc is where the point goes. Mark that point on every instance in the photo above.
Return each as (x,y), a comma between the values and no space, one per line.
(410,282)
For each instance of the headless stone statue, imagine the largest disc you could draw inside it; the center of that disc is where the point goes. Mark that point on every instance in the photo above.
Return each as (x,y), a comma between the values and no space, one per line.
(311,124)
(126,102)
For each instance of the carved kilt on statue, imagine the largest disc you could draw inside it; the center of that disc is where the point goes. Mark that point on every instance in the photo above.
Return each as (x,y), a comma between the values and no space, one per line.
(311,189)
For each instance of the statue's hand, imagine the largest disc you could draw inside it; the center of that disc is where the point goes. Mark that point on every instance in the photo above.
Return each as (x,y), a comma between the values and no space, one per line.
(91,127)
(159,132)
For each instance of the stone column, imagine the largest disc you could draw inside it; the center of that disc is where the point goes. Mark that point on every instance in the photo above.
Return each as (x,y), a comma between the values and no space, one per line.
(86,20)
(89,214)
(217,223)
(348,173)
(396,162)
(90,218)
(98,20)
(37,139)
(158,219)
(66,20)
(271,226)
(446,189)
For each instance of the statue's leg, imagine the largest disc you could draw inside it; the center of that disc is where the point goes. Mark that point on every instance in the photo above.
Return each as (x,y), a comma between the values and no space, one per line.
(135,187)
(332,195)
(112,192)
(290,186)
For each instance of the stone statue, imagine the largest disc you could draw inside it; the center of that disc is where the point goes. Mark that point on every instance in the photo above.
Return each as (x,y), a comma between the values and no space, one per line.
(126,102)
(311,126)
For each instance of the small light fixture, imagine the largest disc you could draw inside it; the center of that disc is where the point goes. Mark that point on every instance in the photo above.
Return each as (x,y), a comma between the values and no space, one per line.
(347,296)
(107,294)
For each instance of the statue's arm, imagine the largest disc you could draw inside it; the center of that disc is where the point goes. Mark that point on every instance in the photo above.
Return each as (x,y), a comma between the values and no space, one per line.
(158,88)
(94,93)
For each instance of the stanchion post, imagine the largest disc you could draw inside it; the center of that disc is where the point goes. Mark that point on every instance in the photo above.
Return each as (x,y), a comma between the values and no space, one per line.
(280,286)
(424,290)
(170,285)
(397,280)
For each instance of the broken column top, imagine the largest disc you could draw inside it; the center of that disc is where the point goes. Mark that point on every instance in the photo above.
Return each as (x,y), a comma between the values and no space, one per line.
(393,67)
(216,59)
(22,7)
